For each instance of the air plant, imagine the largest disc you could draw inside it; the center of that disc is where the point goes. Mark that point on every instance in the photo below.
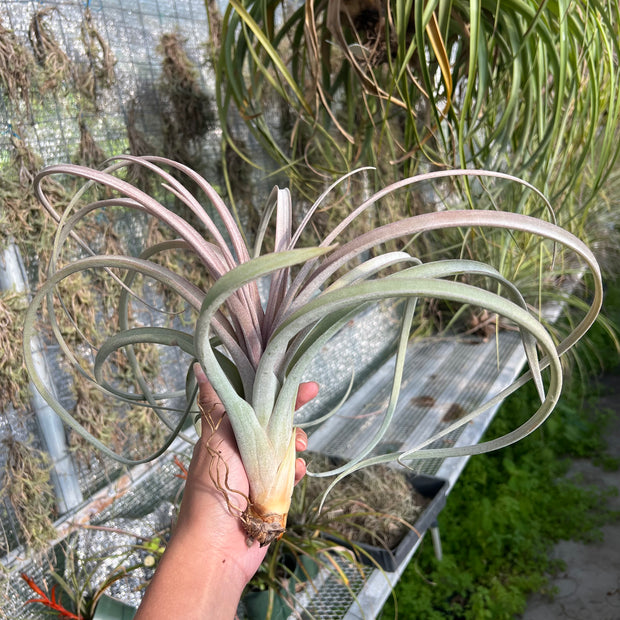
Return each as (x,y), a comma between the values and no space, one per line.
(255,352)
(51,601)
(81,581)
(26,484)
(13,376)
(16,68)
(97,72)
(47,51)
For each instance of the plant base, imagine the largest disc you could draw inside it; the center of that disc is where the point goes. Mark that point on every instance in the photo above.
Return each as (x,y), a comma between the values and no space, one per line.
(263,528)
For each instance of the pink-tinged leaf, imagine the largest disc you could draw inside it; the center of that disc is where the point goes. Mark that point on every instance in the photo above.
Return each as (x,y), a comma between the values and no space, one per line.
(280,279)
(236,237)
(244,306)
(142,201)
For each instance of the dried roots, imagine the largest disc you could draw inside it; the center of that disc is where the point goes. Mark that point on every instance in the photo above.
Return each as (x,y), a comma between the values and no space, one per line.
(264,528)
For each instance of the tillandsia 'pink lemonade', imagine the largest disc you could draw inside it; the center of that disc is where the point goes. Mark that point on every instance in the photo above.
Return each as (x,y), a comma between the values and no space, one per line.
(255,352)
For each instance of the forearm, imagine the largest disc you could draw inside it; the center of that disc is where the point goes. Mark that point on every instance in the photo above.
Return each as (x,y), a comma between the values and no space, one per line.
(193,581)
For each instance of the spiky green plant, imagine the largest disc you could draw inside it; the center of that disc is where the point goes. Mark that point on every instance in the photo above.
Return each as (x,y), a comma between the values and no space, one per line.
(527,87)
(255,356)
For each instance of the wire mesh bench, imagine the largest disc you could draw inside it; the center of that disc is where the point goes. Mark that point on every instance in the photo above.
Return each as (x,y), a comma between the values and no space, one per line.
(443,378)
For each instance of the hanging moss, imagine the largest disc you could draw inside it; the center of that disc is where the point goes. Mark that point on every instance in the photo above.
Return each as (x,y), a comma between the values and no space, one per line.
(25,160)
(54,62)
(26,484)
(215,27)
(92,412)
(13,375)
(129,430)
(89,153)
(139,145)
(192,112)
(241,184)
(17,66)
(21,217)
(98,72)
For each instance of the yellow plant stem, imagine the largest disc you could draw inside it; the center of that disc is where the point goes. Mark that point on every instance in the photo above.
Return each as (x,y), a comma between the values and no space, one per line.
(264,519)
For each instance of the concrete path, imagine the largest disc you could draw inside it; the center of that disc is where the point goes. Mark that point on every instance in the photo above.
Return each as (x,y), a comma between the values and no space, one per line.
(589,588)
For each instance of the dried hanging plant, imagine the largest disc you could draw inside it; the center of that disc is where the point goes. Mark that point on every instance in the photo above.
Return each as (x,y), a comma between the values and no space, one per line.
(92,412)
(139,146)
(99,72)
(191,107)
(130,430)
(186,110)
(89,153)
(13,374)
(49,55)
(27,486)
(20,217)
(367,20)
(17,65)
(215,26)
(25,160)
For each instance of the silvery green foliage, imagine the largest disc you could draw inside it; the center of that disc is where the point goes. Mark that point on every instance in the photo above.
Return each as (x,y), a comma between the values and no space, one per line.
(256,356)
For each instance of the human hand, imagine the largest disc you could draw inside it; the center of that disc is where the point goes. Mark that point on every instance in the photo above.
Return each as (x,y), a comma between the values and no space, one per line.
(207,562)
(208,513)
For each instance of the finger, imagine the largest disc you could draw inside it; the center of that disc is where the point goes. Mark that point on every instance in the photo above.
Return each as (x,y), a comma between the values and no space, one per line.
(300,469)
(301,440)
(199,373)
(207,396)
(307,391)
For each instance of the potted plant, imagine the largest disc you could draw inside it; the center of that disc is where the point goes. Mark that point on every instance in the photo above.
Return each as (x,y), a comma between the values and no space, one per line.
(379,512)
(104,607)
(84,582)
(255,355)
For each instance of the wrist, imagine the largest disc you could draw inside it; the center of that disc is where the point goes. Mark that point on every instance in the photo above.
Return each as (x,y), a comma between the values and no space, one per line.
(211,561)
(193,581)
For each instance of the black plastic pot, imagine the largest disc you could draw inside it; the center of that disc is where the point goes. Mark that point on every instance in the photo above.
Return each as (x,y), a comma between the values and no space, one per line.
(432,488)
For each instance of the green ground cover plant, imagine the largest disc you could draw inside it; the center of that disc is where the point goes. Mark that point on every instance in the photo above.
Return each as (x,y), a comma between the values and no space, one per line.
(496,548)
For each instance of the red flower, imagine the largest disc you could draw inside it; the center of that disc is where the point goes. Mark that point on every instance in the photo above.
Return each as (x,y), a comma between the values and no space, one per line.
(52,603)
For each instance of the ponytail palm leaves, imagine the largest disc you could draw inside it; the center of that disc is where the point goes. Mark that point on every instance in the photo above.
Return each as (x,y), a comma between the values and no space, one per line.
(528,87)
(255,351)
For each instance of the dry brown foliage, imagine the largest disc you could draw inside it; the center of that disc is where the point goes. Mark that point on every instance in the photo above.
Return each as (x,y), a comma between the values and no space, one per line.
(26,484)
(48,53)
(17,65)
